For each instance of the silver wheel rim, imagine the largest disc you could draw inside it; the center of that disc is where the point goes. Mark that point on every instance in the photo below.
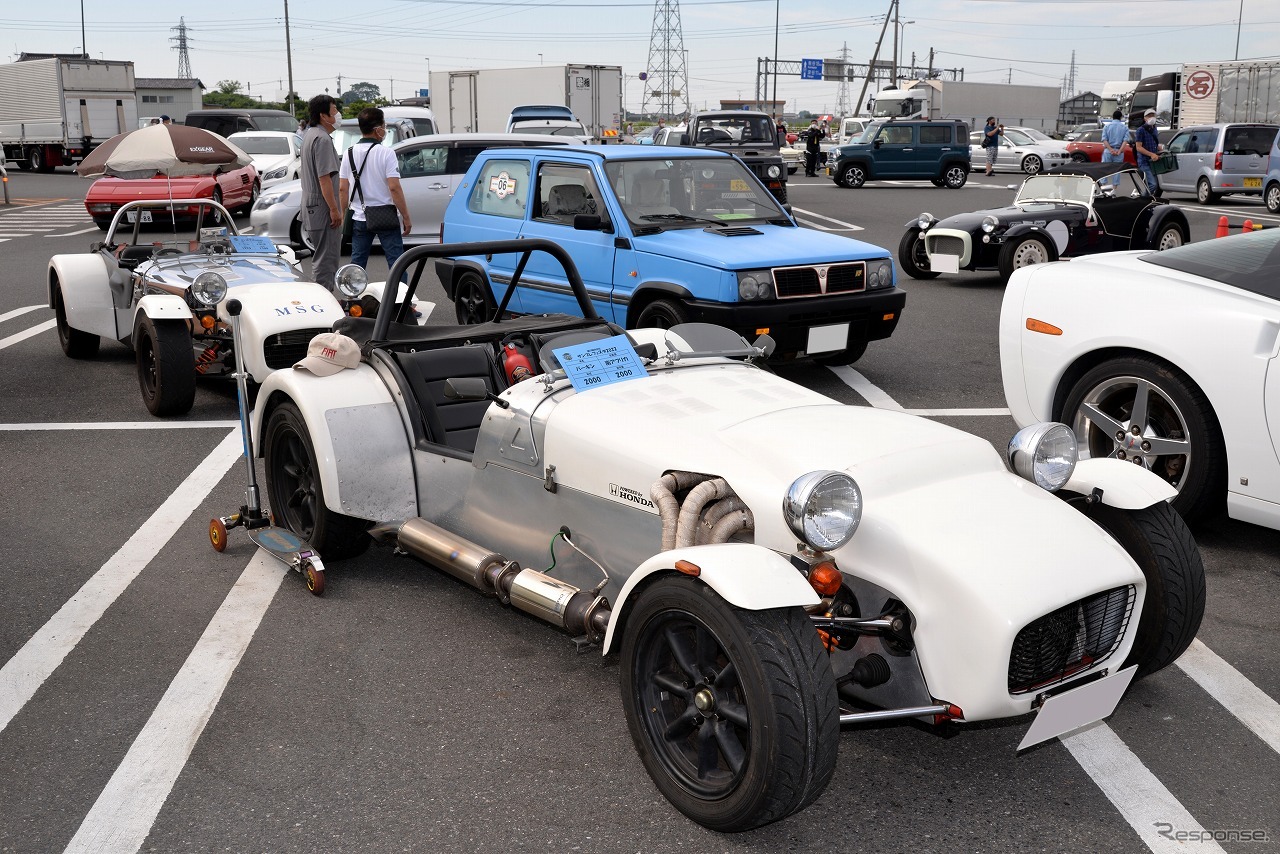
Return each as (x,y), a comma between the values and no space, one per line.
(1029,252)
(1031,165)
(853,177)
(1170,238)
(1202,192)
(1273,199)
(955,176)
(1132,419)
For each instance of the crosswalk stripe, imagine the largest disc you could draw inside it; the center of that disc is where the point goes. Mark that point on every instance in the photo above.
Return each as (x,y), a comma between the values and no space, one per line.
(1250,705)
(23,674)
(18,312)
(27,333)
(121,818)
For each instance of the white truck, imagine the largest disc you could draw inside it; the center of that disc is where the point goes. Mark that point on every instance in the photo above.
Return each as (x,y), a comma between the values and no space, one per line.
(55,111)
(1014,105)
(1115,95)
(481,100)
(1208,92)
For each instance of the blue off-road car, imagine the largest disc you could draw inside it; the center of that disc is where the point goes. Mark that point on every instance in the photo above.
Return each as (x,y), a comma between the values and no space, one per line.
(661,236)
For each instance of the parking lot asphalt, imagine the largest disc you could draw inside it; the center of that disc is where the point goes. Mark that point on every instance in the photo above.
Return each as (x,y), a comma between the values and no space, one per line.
(158,696)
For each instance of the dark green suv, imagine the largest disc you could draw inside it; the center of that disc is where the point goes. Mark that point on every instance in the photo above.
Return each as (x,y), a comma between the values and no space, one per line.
(936,151)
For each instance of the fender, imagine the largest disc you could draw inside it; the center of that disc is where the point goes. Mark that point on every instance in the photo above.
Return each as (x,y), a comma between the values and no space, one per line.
(1124,486)
(86,293)
(1156,218)
(161,307)
(362,450)
(745,575)
(447,270)
(647,293)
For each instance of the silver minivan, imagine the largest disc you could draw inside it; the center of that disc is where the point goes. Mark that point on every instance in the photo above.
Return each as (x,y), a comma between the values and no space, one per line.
(1220,159)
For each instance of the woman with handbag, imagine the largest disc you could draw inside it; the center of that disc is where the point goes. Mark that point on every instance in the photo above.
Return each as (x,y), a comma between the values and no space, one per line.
(369,184)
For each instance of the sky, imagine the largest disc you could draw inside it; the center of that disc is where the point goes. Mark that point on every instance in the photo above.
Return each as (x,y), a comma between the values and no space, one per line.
(395,43)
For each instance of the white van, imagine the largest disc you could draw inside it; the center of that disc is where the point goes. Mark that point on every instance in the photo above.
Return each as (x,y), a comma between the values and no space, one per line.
(424,121)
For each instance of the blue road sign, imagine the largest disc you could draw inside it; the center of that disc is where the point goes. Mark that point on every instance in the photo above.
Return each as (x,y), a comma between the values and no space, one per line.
(811,69)
(424,93)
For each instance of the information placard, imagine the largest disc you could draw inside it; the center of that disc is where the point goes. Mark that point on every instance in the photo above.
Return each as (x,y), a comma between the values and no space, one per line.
(252,243)
(600,363)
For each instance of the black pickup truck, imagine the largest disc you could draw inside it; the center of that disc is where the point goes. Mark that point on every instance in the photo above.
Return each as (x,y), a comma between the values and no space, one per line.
(750,135)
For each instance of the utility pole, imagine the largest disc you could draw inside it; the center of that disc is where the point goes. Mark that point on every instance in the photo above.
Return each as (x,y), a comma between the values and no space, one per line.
(894,80)
(84,46)
(339,91)
(288,53)
(871,66)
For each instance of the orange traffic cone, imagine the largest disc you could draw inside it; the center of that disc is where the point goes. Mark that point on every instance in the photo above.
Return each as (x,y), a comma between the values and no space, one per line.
(1223,231)
(1248,225)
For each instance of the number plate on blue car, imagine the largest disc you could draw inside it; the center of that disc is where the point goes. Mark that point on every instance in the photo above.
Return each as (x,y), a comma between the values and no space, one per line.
(824,339)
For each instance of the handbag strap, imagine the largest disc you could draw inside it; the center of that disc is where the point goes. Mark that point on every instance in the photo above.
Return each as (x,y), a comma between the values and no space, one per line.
(351,161)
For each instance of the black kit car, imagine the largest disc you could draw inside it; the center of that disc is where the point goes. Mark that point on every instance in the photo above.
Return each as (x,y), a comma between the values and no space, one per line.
(1081,209)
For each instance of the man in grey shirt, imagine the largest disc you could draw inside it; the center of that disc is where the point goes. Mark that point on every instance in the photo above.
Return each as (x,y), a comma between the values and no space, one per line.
(321,216)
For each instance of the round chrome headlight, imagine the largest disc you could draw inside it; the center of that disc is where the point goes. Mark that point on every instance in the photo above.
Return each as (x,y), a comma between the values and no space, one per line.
(823,509)
(989,224)
(351,280)
(879,274)
(1044,454)
(926,220)
(774,171)
(753,285)
(209,288)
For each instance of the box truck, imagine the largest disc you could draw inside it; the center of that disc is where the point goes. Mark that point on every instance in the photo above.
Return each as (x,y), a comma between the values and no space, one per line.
(1208,92)
(55,111)
(1015,105)
(481,100)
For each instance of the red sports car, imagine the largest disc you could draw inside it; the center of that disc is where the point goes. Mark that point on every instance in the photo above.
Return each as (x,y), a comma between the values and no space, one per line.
(1087,148)
(237,190)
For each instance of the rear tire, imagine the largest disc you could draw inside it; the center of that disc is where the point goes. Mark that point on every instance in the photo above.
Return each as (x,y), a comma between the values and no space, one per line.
(1023,252)
(473,303)
(955,176)
(1271,196)
(1204,192)
(1161,544)
(295,493)
(166,366)
(912,257)
(75,344)
(733,712)
(1169,237)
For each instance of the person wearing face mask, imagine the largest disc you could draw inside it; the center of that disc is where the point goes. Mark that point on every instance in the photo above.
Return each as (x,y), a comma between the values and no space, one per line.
(369,183)
(321,215)
(1148,148)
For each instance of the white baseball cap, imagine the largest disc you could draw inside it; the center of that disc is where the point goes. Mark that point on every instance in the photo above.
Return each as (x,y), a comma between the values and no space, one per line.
(330,352)
(1149,113)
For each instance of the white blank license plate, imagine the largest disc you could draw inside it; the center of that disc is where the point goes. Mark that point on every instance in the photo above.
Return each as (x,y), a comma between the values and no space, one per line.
(132,216)
(944,263)
(1078,707)
(824,339)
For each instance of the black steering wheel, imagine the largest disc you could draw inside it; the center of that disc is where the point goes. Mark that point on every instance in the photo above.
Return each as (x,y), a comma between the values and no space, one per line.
(168,250)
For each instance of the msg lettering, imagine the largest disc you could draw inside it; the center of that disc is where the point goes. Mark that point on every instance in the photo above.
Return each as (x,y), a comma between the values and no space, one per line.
(300,309)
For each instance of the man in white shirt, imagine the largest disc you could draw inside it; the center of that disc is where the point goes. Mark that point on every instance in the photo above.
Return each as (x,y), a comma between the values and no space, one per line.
(370,178)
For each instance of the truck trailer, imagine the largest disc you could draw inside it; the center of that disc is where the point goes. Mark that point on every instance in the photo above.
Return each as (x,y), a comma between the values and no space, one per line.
(1209,92)
(55,111)
(1014,105)
(481,100)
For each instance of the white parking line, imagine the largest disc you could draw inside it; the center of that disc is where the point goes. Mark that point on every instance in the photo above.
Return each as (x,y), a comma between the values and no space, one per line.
(19,427)
(843,226)
(878,398)
(18,312)
(23,674)
(27,333)
(74,233)
(1142,800)
(123,815)
(1238,695)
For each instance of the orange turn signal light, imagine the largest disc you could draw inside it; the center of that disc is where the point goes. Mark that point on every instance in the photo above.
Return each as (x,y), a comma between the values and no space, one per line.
(888,316)
(763,330)
(207,321)
(356,311)
(826,578)
(1040,326)
(690,569)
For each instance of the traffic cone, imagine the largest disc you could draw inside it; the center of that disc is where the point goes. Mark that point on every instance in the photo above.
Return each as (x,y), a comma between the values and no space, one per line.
(1223,230)
(1248,226)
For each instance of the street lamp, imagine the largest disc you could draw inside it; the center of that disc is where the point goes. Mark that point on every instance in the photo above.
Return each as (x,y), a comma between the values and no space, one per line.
(902,38)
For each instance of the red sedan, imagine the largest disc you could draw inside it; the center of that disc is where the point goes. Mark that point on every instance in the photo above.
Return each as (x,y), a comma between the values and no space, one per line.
(1088,147)
(237,190)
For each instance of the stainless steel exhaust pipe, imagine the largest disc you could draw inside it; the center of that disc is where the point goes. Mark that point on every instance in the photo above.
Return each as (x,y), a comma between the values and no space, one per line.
(459,557)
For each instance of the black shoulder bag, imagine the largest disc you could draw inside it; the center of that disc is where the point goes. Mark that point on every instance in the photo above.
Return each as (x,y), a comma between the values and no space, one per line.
(377,218)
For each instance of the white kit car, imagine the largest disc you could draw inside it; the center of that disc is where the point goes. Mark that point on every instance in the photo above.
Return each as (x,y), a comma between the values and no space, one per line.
(767,563)
(1186,385)
(166,301)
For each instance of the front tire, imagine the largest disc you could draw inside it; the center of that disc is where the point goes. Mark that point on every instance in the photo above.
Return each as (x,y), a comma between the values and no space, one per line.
(852,177)
(912,257)
(295,493)
(1032,164)
(75,344)
(473,303)
(1160,543)
(1023,252)
(1204,192)
(733,712)
(166,366)
(662,314)
(1172,417)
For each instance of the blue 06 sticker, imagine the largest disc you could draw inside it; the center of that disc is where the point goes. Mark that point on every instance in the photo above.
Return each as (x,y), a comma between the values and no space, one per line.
(600,363)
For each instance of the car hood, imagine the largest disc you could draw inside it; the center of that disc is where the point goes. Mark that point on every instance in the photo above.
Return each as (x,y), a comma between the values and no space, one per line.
(159,187)
(762,249)
(181,270)
(266,162)
(1013,214)
(284,188)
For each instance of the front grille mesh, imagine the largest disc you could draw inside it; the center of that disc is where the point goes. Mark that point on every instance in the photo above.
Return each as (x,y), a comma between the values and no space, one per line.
(946,244)
(1069,640)
(806,281)
(285,348)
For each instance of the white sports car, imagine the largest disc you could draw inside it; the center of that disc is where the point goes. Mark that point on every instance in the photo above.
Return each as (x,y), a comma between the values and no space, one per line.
(166,300)
(767,562)
(1167,360)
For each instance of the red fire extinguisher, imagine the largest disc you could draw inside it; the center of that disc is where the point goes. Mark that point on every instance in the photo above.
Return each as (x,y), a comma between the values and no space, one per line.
(516,363)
